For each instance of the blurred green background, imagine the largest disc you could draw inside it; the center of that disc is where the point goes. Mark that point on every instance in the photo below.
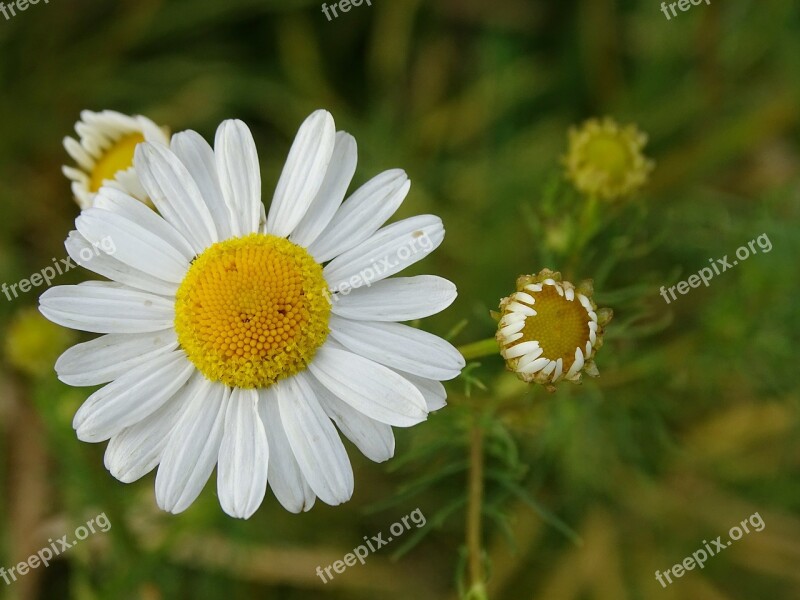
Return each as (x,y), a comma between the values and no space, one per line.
(693,424)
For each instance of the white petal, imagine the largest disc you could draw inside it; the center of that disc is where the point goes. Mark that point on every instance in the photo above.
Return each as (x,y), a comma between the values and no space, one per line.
(239,175)
(135,244)
(284,477)
(137,449)
(433,391)
(387,252)
(559,369)
(330,195)
(396,299)
(520,349)
(529,358)
(303,173)
(511,329)
(118,201)
(524,297)
(175,194)
(96,259)
(78,154)
(510,318)
(243,457)
(131,398)
(110,356)
(370,388)
(518,307)
(193,445)
(375,440)
(105,307)
(551,366)
(198,157)
(534,366)
(578,364)
(362,214)
(399,346)
(75,175)
(314,441)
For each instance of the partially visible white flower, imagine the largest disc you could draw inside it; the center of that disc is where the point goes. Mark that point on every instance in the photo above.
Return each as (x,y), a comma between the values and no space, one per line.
(104,153)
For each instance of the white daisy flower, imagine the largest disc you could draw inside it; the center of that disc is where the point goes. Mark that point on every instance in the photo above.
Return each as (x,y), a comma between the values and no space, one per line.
(104,153)
(549,330)
(237,340)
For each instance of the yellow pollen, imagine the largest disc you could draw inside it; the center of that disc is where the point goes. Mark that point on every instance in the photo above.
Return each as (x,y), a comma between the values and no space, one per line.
(252,310)
(119,157)
(559,325)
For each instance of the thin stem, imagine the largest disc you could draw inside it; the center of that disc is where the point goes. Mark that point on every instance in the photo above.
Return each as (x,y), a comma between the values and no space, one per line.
(587,227)
(474,513)
(487,347)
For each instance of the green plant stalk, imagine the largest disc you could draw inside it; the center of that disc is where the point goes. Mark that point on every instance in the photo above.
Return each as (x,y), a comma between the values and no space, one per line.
(487,347)
(477,587)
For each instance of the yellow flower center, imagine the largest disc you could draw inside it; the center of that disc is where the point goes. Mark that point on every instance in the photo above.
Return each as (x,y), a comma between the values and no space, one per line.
(609,154)
(252,310)
(560,326)
(118,157)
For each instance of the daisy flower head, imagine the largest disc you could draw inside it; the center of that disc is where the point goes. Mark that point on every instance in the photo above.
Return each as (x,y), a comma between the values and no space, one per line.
(103,153)
(238,338)
(606,160)
(550,330)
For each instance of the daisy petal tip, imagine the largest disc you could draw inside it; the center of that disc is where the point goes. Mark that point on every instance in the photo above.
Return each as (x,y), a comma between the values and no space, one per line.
(321,116)
(230,124)
(119,471)
(397,177)
(340,499)
(119,475)
(240,512)
(126,478)
(166,501)
(86,433)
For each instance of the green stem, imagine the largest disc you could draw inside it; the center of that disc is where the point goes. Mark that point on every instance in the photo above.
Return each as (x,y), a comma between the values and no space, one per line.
(587,227)
(588,222)
(477,589)
(487,347)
